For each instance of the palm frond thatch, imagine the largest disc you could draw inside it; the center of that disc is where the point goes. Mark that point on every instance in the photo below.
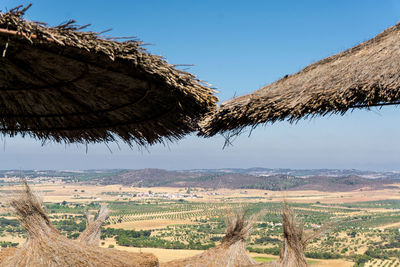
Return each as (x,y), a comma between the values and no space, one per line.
(230,253)
(65,85)
(46,247)
(364,76)
(91,235)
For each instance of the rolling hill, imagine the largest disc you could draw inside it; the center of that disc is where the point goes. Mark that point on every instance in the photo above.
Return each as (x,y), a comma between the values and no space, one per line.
(232,180)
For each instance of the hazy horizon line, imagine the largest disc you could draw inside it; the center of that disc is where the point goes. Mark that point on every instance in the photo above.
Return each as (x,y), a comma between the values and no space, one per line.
(222,168)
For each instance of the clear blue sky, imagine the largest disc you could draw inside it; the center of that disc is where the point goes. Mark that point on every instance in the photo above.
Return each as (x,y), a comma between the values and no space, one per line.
(237,46)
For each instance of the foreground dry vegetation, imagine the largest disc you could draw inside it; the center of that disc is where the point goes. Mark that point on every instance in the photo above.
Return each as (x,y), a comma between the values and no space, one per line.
(45,246)
(195,228)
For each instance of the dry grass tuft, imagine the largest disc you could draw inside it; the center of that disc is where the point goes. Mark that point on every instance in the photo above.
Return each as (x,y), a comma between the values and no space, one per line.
(295,241)
(232,250)
(46,247)
(91,235)
(230,253)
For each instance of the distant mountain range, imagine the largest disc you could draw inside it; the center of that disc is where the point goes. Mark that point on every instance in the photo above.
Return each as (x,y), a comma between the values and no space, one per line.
(255,178)
(306,172)
(242,179)
(252,178)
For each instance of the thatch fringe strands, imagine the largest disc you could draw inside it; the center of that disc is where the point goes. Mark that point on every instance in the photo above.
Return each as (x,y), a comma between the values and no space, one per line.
(364,76)
(65,85)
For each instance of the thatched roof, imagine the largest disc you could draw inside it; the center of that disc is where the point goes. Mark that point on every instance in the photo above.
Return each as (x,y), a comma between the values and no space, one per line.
(364,76)
(230,253)
(65,85)
(46,247)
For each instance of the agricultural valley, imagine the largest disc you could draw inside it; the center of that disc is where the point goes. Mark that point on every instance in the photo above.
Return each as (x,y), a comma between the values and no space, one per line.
(184,212)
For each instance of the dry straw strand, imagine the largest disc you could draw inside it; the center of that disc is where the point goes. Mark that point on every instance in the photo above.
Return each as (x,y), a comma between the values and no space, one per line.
(230,253)
(91,235)
(294,240)
(294,243)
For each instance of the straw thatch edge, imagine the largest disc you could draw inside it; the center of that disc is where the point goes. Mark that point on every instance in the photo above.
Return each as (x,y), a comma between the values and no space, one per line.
(234,116)
(195,97)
